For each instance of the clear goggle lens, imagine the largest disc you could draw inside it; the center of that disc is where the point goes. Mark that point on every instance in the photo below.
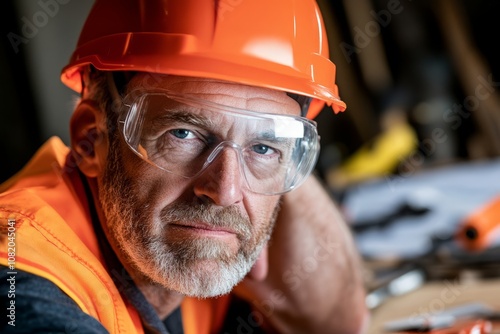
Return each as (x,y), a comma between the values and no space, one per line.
(183,135)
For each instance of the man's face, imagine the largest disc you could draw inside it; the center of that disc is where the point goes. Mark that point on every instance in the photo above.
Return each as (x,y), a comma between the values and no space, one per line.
(199,236)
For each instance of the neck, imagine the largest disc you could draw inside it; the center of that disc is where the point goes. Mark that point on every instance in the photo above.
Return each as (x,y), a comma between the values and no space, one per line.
(164,301)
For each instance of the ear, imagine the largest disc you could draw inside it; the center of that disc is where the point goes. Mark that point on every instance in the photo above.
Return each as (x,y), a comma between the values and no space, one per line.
(89,138)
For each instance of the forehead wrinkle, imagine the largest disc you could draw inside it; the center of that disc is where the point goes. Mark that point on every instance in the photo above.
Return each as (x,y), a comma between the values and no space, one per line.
(254,103)
(256,98)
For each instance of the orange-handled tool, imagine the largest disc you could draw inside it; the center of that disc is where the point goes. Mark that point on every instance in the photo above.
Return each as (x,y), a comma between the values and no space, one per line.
(480,228)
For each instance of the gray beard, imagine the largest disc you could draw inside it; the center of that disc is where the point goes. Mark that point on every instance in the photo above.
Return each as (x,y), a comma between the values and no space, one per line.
(199,267)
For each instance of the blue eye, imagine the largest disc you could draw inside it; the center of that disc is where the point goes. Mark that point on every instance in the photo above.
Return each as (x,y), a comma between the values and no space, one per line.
(262,149)
(182,133)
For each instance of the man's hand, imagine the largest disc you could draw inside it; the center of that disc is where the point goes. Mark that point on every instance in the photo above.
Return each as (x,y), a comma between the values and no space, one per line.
(314,282)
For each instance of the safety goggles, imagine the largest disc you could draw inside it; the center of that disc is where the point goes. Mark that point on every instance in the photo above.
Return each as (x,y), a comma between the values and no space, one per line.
(183,135)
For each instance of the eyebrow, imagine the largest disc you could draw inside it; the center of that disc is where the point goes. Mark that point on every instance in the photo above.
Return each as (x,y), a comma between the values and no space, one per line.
(265,135)
(183,117)
(270,137)
(171,116)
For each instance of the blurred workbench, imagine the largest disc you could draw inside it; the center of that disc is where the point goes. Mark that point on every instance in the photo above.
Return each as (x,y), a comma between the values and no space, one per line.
(435,297)
(406,226)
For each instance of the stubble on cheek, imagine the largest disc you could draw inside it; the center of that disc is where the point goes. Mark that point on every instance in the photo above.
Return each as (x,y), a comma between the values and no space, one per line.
(125,224)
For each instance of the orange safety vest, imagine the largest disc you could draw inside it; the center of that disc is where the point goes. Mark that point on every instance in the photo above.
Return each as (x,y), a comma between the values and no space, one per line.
(52,237)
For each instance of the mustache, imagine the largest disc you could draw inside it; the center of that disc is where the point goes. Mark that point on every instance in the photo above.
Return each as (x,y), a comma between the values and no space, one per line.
(227,217)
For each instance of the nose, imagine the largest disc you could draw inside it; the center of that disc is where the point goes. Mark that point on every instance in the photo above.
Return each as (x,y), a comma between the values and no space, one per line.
(221,182)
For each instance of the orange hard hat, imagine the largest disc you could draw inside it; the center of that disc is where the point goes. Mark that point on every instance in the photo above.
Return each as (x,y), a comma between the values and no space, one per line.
(278,44)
